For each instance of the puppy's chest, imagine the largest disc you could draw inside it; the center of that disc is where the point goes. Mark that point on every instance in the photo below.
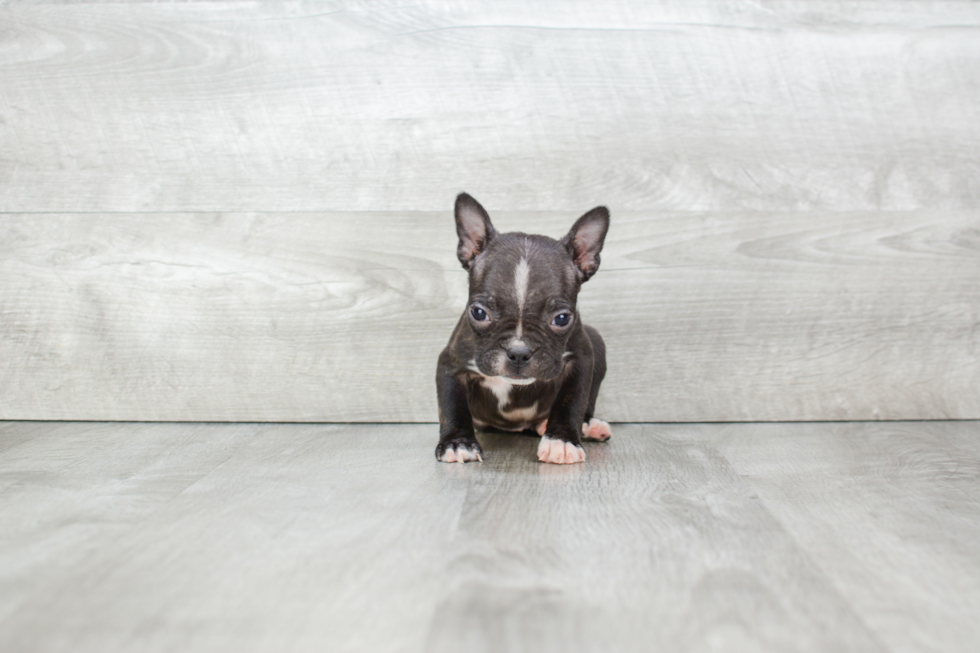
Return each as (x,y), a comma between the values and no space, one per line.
(495,402)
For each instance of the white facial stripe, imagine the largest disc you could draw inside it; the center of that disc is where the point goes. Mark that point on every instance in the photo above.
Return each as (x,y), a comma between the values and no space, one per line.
(522,276)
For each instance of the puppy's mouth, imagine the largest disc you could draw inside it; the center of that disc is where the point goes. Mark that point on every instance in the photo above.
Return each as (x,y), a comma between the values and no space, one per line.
(520,379)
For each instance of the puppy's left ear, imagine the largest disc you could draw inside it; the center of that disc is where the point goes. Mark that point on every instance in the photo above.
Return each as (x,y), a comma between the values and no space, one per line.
(473,227)
(584,241)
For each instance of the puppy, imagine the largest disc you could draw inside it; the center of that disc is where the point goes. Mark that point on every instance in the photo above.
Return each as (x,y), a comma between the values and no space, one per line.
(520,357)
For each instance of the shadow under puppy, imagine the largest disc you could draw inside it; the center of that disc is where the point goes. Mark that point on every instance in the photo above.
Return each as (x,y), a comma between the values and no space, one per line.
(520,357)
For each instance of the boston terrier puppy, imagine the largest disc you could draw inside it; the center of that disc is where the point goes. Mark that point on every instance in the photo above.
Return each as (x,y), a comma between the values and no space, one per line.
(520,357)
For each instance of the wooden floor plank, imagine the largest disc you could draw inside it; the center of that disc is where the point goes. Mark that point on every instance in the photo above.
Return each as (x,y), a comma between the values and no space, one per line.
(70,490)
(243,537)
(889,512)
(653,544)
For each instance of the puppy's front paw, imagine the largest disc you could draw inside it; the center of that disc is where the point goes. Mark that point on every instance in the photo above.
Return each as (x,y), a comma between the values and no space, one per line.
(558,451)
(459,450)
(596,429)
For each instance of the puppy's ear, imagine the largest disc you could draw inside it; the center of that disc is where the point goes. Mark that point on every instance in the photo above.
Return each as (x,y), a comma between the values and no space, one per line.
(473,228)
(584,241)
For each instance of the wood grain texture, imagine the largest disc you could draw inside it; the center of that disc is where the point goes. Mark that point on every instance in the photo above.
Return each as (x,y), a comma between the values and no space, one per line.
(394,105)
(764,272)
(340,317)
(243,537)
(889,512)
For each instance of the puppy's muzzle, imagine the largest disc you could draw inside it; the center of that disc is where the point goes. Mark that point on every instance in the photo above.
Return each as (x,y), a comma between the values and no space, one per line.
(519,355)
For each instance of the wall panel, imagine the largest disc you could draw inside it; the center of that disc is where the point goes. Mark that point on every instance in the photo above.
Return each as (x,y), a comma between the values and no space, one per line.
(340,316)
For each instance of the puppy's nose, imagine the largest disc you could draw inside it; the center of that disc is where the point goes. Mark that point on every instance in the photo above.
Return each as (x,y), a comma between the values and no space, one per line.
(519,355)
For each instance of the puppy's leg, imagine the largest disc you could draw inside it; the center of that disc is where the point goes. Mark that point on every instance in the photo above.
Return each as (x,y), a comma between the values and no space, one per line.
(562,443)
(593,428)
(457,441)
(596,429)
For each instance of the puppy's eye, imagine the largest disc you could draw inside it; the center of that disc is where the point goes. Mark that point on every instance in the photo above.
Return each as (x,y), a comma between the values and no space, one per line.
(479,314)
(562,319)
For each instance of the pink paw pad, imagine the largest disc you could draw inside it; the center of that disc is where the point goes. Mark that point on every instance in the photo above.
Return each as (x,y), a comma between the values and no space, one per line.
(596,429)
(559,452)
(460,454)
(542,427)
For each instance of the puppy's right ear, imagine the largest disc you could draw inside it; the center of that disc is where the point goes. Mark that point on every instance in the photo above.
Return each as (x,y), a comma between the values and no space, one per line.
(584,241)
(473,228)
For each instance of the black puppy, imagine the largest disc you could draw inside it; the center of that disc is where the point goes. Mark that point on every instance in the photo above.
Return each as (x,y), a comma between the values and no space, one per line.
(520,358)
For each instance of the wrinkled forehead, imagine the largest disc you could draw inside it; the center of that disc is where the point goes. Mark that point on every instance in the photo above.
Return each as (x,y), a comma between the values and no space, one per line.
(525,271)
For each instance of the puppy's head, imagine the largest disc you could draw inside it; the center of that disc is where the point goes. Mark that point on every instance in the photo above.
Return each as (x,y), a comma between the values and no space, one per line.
(523,291)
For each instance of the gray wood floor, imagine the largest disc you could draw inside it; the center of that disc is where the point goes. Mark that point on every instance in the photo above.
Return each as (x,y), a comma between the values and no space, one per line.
(239,537)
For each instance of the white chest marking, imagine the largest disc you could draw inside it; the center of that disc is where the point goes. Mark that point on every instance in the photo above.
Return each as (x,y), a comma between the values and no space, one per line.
(500,389)
(523,415)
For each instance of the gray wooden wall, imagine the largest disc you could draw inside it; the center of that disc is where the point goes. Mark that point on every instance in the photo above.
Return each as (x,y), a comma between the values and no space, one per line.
(242,211)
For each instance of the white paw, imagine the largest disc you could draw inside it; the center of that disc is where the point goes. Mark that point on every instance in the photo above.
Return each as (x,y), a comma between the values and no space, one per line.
(559,452)
(596,429)
(541,427)
(460,453)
